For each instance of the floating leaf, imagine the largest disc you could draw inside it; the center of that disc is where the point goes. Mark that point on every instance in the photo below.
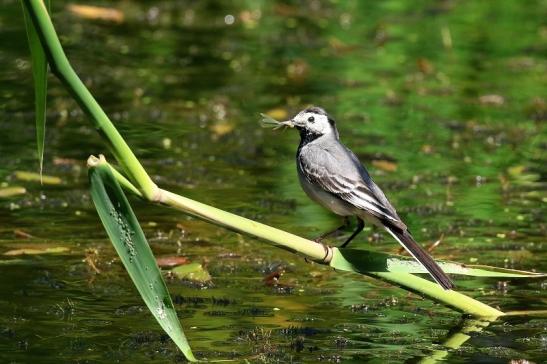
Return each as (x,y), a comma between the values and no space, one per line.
(39,75)
(37,177)
(37,251)
(494,100)
(340,46)
(192,272)
(14,261)
(12,191)
(516,171)
(22,234)
(59,161)
(130,243)
(366,261)
(384,165)
(166,262)
(96,13)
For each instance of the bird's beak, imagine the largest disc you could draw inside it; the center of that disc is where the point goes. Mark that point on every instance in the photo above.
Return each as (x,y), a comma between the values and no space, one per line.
(289,123)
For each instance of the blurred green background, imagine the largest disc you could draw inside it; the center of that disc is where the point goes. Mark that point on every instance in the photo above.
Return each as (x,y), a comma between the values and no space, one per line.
(444,101)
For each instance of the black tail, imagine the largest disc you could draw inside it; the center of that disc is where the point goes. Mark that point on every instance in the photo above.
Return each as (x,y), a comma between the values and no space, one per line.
(408,242)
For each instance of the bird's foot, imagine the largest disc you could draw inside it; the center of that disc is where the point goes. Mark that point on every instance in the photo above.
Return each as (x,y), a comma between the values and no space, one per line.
(326,259)
(346,243)
(329,235)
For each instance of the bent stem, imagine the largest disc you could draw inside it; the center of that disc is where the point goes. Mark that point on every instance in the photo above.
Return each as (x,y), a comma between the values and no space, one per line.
(321,254)
(451,298)
(294,243)
(312,250)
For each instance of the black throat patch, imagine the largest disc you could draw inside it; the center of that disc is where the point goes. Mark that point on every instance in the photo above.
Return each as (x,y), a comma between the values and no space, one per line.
(307,136)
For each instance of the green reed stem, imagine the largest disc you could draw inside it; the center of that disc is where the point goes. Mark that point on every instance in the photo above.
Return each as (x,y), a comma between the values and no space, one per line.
(60,66)
(313,250)
(432,290)
(318,253)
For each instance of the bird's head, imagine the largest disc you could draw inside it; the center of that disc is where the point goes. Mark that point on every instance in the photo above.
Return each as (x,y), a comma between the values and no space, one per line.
(313,121)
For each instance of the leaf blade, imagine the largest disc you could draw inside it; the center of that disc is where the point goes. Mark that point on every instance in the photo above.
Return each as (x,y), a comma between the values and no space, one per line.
(39,75)
(130,243)
(366,261)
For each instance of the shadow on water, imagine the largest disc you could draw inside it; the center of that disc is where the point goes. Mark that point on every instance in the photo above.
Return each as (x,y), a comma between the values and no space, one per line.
(442,100)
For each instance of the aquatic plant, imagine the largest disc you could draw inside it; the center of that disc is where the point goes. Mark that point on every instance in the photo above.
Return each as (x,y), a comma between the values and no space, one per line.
(129,241)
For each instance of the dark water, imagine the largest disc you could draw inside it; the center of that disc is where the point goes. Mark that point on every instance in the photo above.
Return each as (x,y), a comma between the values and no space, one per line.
(451,94)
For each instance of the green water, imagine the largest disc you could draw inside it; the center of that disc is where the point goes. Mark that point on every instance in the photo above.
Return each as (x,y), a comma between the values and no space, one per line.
(450,93)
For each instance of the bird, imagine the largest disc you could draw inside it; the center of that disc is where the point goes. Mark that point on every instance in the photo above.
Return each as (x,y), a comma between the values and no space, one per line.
(332,175)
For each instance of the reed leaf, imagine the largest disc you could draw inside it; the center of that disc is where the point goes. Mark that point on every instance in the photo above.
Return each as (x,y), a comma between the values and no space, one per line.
(128,239)
(39,75)
(366,261)
(400,271)
(317,251)
(60,67)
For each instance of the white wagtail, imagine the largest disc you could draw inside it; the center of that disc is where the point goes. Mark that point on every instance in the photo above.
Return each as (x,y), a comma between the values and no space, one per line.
(332,176)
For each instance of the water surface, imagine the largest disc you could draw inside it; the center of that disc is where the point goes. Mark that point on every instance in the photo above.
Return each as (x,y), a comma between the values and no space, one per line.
(443,101)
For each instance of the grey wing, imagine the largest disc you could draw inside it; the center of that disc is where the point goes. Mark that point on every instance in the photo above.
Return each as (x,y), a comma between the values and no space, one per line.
(376,191)
(338,171)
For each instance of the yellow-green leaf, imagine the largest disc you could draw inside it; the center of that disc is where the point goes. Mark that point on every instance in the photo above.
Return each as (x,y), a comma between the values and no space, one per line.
(128,239)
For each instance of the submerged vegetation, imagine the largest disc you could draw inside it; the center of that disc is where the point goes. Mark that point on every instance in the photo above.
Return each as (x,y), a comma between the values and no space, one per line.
(129,239)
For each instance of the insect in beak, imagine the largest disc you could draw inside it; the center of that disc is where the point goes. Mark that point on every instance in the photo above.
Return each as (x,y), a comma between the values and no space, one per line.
(289,123)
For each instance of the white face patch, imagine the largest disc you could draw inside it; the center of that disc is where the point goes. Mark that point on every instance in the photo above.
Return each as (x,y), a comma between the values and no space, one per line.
(315,123)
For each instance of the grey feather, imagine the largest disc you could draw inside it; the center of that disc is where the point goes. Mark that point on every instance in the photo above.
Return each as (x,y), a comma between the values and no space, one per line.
(329,165)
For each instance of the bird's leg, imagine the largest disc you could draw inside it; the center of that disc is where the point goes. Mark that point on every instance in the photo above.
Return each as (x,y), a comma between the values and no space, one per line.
(360,227)
(329,233)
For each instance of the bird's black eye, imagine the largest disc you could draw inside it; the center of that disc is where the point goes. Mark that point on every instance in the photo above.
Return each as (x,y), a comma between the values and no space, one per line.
(311,119)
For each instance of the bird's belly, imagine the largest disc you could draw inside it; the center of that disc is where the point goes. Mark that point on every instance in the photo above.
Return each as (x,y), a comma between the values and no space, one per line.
(326,199)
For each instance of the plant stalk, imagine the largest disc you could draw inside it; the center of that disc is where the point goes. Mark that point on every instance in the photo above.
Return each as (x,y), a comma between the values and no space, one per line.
(60,66)
(319,253)
(310,249)
(294,243)
(432,290)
